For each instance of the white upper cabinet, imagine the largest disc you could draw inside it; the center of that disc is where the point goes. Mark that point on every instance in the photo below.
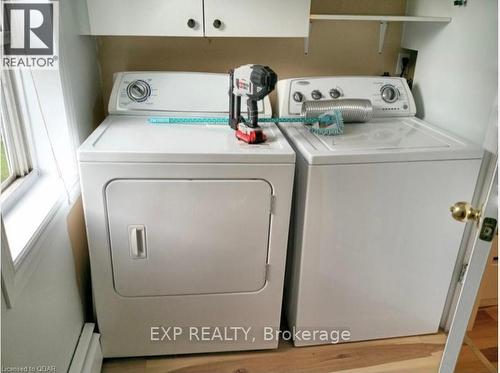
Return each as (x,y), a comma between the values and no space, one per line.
(264,18)
(212,18)
(146,17)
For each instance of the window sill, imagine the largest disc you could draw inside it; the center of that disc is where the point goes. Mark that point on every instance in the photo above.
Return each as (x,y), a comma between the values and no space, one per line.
(32,212)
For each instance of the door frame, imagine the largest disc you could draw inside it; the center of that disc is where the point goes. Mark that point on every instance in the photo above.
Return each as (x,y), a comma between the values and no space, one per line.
(485,177)
(467,287)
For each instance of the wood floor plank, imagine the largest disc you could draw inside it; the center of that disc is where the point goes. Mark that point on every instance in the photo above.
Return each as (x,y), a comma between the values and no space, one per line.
(418,354)
(493,312)
(491,354)
(485,332)
(428,364)
(320,359)
(469,363)
(484,360)
(392,355)
(124,365)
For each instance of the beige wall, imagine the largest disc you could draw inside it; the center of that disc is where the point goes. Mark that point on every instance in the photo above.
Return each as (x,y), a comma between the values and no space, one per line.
(79,246)
(335,48)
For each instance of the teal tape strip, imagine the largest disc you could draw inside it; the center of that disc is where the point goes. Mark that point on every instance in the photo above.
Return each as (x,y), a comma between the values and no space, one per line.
(328,124)
(195,120)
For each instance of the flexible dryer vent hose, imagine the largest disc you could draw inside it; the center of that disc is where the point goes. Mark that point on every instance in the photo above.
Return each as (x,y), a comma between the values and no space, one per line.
(353,110)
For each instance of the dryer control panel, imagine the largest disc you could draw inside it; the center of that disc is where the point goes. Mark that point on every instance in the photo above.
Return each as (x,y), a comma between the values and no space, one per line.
(173,93)
(390,96)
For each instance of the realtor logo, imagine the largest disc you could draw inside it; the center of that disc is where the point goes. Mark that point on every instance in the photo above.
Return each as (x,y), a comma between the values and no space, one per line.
(30,34)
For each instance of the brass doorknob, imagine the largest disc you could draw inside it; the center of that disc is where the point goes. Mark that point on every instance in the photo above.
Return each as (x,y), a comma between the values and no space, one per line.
(463,211)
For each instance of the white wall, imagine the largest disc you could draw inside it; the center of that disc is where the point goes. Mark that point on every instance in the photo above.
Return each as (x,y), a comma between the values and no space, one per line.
(79,69)
(43,326)
(45,322)
(456,74)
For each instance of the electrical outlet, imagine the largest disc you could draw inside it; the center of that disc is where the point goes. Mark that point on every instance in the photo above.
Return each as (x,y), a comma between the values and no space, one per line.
(399,62)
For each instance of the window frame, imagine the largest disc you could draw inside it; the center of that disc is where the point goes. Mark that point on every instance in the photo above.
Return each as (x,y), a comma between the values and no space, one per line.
(29,179)
(15,129)
(43,184)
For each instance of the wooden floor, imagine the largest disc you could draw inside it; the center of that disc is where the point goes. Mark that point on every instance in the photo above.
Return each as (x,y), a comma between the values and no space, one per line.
(481,344)
(400,355)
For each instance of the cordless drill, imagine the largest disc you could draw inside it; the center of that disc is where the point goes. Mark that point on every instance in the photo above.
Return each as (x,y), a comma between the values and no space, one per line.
(253,82)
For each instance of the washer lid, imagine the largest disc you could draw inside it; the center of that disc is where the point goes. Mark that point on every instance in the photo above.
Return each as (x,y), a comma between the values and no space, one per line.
(133,139)
(380,140)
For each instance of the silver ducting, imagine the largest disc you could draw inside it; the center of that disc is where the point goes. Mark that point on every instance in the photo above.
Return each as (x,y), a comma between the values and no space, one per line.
(353,110)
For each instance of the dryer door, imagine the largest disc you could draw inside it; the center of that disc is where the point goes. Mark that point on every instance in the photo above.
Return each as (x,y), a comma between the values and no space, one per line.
(173,237)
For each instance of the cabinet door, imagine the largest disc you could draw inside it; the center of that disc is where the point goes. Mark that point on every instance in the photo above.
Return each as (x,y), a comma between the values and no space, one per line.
(261,18)
(146,17)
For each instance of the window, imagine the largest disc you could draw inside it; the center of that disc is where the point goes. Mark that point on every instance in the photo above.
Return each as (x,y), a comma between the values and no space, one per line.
(6,173)
(38,163)
(15,152)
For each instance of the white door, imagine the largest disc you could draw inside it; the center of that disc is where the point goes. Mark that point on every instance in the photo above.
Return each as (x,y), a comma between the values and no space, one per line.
(146,17)
(484,226)
(257,18)
(180,237)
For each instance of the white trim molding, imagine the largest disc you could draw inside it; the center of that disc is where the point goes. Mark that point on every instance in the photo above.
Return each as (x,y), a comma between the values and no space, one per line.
(16,274)
(88,354)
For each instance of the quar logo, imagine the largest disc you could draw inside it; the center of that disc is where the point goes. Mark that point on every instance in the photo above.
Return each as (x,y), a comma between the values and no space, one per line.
(30,34)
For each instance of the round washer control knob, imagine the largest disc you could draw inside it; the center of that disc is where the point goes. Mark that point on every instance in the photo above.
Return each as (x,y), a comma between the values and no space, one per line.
(335,93)
(316,94)
(389,93)
(298,97)
(138,90)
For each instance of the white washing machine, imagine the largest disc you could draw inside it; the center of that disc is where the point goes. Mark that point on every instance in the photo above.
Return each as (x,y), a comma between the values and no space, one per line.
(374,247)
(187,227)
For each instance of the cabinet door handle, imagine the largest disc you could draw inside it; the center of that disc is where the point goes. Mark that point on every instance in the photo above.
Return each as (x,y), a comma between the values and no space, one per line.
(137,241)
(191,23)
(217,23)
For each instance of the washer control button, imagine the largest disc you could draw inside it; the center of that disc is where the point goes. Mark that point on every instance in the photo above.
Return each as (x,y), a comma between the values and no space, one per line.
(335,93)
(298,97)
(316,95)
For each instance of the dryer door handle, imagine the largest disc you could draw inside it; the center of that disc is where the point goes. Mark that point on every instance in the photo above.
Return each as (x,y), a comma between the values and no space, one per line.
(137,240)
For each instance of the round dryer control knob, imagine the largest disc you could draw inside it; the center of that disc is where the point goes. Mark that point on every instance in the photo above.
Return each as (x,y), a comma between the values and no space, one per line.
(316,94)
(298,97)
(335,93)
(389,93)
(138,91)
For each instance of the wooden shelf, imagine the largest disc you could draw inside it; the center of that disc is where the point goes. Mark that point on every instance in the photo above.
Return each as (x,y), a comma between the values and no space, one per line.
(384,20)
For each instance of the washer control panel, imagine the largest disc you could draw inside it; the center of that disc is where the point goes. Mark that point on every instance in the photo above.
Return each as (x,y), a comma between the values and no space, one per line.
(390,96)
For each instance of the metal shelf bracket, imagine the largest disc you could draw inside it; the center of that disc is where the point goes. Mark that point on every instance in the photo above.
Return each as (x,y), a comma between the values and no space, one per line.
(306,40)
(383,31)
